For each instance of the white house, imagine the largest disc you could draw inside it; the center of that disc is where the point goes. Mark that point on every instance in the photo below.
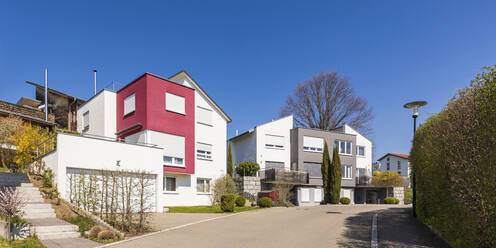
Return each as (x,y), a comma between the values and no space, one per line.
(363,151)
(267,144)
(395,162)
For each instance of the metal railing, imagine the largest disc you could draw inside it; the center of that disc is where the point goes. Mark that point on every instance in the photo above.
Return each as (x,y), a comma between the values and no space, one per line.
(283,175)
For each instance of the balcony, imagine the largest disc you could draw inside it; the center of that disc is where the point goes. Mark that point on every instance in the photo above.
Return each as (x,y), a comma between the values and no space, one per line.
(363,180)
(276,175)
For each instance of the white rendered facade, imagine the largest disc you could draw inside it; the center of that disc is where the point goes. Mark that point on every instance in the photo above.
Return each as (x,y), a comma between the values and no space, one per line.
(100,110)
(363,162)
(267,144)
(393,162)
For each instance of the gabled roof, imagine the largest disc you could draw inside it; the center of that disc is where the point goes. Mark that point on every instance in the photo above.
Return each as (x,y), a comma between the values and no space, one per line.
(55,92)
(183,73)
(255,127)
(399,155)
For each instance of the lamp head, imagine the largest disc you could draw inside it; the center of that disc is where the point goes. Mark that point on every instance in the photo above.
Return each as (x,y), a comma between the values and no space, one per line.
(415,106)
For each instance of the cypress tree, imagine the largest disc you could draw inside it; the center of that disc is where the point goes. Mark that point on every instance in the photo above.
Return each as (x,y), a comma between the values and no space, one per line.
(335,178)
(229,162)
(325,172)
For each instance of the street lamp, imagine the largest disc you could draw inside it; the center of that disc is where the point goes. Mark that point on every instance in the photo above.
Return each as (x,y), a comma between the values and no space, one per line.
(414,106)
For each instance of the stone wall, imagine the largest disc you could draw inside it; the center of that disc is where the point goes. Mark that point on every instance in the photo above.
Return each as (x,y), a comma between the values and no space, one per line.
(18,231)
(248,186)
(399,193)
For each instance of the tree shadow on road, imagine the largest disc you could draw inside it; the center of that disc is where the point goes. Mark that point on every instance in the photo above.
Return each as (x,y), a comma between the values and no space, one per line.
(358,231)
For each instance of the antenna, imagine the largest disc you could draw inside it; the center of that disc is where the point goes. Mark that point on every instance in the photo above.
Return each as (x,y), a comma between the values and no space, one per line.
(46,94)
(94,76)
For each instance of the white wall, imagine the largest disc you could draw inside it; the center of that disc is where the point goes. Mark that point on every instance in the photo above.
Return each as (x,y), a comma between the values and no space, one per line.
(365,161)
(90,153)
(280,127)
(244,148)
(393,161)
(102,114)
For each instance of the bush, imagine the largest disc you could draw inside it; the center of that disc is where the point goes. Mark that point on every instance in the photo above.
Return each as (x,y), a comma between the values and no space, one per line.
(47,178)
(344,200)
(240,201)
(452,159)
(227,203)
(222,186)
(106,235)
(94,231)
(265,202)
(247,168)
(391,200)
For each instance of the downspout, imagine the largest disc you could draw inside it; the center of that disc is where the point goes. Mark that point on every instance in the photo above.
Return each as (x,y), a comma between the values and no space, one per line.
(70,111)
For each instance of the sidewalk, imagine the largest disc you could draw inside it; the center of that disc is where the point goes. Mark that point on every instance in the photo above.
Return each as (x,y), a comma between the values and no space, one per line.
(398,228)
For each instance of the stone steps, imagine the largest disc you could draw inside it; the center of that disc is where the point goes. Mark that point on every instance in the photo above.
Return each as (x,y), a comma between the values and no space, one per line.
(39,215)
(54,229)
(57,235)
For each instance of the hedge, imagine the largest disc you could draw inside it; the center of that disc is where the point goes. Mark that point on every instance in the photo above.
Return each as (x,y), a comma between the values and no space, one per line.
(344,200)
(391,200)
(247,168)
(227,202)
(240,201)
(265,202)
(453,159)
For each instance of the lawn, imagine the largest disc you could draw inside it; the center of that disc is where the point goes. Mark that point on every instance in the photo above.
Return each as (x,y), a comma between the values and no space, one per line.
(29,242)
(207,209)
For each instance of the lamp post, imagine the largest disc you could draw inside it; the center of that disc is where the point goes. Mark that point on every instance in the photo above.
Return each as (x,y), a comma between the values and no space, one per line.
(414,106)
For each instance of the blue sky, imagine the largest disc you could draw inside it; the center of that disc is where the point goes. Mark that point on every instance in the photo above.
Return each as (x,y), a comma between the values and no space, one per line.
(250,55)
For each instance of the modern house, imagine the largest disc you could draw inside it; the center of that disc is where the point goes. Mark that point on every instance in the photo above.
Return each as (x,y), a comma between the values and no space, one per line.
(168,127)
(270,143)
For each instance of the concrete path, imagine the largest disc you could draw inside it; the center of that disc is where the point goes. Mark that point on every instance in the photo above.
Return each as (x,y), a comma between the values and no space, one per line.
(69,243)
(320,226)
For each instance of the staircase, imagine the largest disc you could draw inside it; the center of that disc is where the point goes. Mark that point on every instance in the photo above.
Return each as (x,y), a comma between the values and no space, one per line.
(41,215)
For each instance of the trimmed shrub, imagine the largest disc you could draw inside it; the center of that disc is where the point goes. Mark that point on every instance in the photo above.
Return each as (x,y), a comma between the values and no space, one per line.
(106,235)
(247,168)
(240,201)
(391,200)
(344,200)
(94,231)
(265,202)
(227,202)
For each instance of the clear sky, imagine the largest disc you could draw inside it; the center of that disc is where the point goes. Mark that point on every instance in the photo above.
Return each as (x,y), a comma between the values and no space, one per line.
(250,55)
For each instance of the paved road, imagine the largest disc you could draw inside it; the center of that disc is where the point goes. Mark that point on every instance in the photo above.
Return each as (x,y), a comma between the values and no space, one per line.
(320,226)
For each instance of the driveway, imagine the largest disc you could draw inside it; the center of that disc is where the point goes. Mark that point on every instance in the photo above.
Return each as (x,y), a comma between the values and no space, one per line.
(319,226)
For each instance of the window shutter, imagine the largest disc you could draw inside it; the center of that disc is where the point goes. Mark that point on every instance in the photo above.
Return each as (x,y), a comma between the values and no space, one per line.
(274,140)
(313,142)
(175,103)
(204,115)
(129,104)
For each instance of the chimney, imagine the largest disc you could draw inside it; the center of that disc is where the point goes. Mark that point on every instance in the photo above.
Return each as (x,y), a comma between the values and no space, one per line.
(94,78)
(46,94)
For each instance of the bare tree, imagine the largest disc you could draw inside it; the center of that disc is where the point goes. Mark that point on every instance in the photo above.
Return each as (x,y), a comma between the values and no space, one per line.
(327,101)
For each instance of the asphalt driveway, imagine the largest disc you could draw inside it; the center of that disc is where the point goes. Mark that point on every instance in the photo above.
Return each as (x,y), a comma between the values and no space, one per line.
(319,226)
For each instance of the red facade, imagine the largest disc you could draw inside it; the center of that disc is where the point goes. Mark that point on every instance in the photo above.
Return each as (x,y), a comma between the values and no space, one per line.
(151,113)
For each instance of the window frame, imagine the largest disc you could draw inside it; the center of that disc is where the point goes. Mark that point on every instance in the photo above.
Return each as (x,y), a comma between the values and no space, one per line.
(345,145)
(275,146)
(358,151)
(347,168)
(206,183)
(198,108)
(174,111)
(134,105)
(174,161)
(208,154)
(165,184)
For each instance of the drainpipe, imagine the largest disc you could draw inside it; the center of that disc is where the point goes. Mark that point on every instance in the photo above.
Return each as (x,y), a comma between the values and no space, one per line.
(46,95)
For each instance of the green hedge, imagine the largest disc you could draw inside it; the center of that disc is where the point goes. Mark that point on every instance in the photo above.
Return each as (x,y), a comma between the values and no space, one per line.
(344,200)
(391,200)
(265,202)
(453,159)
(227,203)
(240,201)
(247,168)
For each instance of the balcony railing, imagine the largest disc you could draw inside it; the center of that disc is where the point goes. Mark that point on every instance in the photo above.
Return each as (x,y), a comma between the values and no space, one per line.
(363,180)
(275,175)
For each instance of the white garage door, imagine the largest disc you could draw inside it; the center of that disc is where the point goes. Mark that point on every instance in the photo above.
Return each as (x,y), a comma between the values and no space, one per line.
(305,195)
(318,195)
(78,183)
(347,193)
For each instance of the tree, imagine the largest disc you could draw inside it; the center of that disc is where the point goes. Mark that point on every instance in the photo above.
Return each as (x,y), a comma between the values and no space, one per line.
(325,173)
(326,102)
(248,168)
(222,186)
(229,162)
(31,142)
(334,186)
(387,179)
(11,204)
(9,128)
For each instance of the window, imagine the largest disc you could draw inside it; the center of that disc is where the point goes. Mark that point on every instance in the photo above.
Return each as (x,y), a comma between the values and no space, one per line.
(387,159)
(312,144)
(174,103)
(274,141)
(170,184)
(346,171)
(129,104)
(388,167)
(204,115)
(399,165)
(344,147)
(203,185)
(203,151)
(86,121)
(361,150)
(173,161)
(274,164)
(305,194)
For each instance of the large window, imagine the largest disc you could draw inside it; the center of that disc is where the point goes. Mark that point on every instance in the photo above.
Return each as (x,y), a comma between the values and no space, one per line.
(399,165)
(312,144)
(274,141)
(129,104)
(204,115)
(203,185)
(344,147)
(173,161)
(174,148)
(86,121)
(174,103)
(346,171)
(170,184)
(203,151)
(361,150)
